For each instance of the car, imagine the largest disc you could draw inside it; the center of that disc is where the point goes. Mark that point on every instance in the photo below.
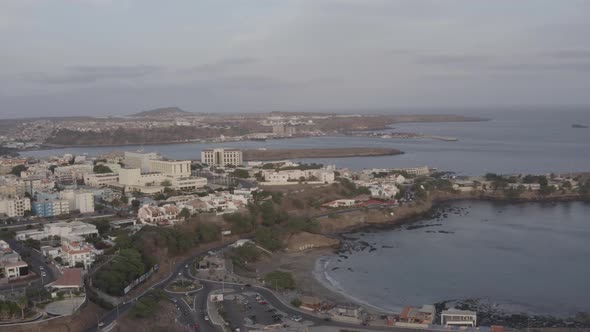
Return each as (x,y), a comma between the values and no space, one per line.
(196,325)
(44,274)
(247,285)
(296,318)
(101,324)
(207,318)
(262,302)
(272,310)
(237,329)
(41,268)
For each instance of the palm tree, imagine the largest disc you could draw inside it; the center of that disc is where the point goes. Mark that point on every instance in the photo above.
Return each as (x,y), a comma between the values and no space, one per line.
(22,304)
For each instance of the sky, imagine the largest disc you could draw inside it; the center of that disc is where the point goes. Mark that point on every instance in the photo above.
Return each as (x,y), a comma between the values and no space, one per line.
(116,57)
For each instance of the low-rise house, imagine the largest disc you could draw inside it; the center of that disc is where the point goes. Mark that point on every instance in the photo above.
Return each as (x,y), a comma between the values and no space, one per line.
(340,203)
(71,230)
(423,315)
(11,264)
(345,313)
(70,280)
(456,317)
(158,215)
(322,175)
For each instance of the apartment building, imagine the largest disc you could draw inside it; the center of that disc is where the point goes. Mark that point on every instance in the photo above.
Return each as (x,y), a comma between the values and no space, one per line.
(50,207)
(101,180)
(172,168)
(82,201)
(222,157)
(295,175)
(15,207)
(140,160)
(76,171)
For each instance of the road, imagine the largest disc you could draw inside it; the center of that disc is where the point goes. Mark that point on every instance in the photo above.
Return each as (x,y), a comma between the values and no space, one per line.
(190,316)
(36,262)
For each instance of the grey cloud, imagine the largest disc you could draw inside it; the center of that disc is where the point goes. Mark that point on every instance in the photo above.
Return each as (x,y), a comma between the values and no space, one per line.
(571,54)
(541,67)
(219,66)
(454,59)
(91,74)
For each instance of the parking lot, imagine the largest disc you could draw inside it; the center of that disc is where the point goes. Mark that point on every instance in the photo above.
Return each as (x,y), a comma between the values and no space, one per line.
(250,309)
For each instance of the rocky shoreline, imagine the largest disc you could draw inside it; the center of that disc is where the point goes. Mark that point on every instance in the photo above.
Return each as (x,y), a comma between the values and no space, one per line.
(490,314)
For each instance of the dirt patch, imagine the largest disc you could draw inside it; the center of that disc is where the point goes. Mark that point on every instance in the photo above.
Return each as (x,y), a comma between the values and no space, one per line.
(162,320)
(302,241)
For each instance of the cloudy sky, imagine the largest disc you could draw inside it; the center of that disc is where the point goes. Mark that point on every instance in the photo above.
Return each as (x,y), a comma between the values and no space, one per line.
(108,57)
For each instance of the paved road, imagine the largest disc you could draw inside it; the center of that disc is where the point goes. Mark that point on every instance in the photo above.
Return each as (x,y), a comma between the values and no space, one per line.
(36,262)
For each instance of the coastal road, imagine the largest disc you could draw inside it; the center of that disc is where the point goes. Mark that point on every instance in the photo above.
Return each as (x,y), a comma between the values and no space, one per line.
(37,264)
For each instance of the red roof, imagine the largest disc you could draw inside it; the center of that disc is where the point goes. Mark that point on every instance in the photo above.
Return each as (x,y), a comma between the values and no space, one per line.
(70,278)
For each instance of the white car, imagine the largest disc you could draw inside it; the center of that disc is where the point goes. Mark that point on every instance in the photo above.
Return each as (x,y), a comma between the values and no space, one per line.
(296,318)
(206,317)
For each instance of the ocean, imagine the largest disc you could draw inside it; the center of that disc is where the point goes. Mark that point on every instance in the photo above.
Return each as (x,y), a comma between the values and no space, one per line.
(530,257)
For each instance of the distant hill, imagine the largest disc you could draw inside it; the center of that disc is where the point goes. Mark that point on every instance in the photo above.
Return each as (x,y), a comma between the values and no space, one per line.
(166,111)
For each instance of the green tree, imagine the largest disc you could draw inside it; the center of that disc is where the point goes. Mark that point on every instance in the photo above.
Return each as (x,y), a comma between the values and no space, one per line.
(166,183)
(17,169)
(269,238)
(241,173)
(22,304)
(280,280)
(101,169)
(184,213)
(208,232)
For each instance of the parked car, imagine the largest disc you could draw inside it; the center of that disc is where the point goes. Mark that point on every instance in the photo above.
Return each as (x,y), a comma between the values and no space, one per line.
(296,318)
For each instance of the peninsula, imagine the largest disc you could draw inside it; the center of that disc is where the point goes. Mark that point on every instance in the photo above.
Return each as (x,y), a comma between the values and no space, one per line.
(280,154)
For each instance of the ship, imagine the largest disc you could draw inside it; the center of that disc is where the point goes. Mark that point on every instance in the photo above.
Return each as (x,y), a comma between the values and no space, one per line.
(579,125)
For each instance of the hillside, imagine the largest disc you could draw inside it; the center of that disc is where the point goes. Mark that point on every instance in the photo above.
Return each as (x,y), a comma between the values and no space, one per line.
(165,111)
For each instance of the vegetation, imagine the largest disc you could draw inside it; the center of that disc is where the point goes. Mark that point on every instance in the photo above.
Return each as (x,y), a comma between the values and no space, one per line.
(123,269)
(101,169)
(9,310)
(147,305)
(296,302)
(240,223)
(243,255)
(269,238)
(17,169)
(241,173)
(280,280)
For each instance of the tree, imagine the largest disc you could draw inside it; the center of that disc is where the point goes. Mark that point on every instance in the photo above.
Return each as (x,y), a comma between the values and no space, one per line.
(280,279)
(269,238)
(184,213)
(166,183)
(241,173)
(101,169)
(17,169)
(124,199)
(52,168)
(22,304)
(208,232)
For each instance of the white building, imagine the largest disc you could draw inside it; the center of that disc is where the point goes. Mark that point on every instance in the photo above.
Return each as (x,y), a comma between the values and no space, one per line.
(11,264)
(295,175)
(222,157)
(78,200)
(74,230)
(101,180)
(140,160)
(455,317)
(76,171)
(74,252)
(15,207)
(172,168)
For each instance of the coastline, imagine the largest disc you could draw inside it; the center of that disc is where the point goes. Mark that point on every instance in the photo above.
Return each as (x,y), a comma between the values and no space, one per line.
(330,288)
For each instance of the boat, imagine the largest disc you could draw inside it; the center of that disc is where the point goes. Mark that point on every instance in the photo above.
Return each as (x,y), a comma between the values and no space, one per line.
(579,125)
